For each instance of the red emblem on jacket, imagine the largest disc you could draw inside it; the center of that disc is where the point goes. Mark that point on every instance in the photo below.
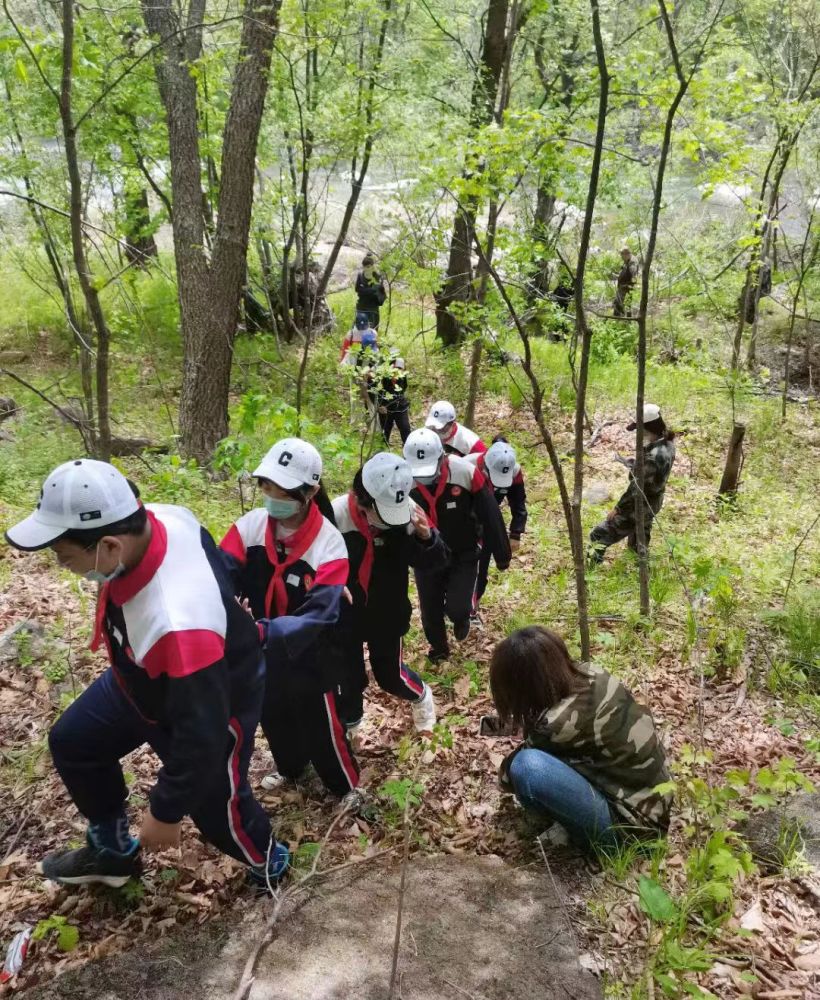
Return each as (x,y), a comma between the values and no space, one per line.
(456,490)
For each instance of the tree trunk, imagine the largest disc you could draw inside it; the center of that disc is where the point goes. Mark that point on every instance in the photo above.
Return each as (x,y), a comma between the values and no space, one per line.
(92,300)
(584,334)
(643,308)
(209,292)
(457,286)
(52,252)
(357,179)
(734,463)
(140,245)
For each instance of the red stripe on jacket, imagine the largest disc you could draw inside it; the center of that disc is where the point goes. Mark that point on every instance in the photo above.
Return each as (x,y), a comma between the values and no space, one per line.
(179,654)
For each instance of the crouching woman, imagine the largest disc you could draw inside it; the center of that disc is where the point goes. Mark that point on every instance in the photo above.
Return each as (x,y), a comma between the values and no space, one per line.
(591,759)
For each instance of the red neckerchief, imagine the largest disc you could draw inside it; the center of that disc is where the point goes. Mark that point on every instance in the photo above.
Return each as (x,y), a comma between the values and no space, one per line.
(124,588)
(295,545)
(100,635)
(364,528)
(432,499)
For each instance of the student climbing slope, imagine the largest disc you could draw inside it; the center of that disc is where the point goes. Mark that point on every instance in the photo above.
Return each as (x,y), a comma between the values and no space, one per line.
(385,534)
(456,439)
(453,494)
(186,676)
(506,480)
(290,566)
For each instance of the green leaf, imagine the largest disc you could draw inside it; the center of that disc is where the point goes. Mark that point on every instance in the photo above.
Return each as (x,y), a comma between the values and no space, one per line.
(655,901)
(21,71)
(68,937)
(695,991)
(764,800)
(667,984)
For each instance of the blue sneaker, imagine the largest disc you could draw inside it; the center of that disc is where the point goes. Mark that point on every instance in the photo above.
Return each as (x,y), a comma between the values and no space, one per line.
(278,864)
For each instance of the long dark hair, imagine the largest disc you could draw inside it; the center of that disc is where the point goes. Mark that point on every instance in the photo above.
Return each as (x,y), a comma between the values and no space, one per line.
(530,671)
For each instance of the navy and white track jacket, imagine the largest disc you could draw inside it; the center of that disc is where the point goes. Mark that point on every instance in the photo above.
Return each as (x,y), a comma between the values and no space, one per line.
(183,651)
(383,609)
(297,631)
(464,510)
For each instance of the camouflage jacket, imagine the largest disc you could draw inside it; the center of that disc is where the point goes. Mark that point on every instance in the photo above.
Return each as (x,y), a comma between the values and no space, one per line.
(606,736)
(659,457)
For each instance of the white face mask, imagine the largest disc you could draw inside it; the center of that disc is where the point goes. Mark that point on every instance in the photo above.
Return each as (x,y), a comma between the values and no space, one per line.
(96,576)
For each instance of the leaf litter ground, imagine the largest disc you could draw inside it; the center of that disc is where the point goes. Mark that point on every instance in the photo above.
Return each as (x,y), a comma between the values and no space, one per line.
(775,932)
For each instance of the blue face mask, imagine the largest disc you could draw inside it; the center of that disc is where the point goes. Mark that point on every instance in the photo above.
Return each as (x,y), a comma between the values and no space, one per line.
(281,510)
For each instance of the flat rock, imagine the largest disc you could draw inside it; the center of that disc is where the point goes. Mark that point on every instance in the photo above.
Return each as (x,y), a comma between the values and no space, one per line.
(597,493)
(772,835)
(28,635)
(472,927)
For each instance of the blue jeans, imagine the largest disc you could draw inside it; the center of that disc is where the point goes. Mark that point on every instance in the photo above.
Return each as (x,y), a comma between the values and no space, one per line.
(546,784)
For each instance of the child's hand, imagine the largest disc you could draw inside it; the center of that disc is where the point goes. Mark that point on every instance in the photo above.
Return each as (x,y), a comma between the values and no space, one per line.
(421,526)
(245,604)
(515,544)
(347,595)
(155,836)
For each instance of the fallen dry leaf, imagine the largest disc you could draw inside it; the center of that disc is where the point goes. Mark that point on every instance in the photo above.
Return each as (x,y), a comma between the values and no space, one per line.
(752,919)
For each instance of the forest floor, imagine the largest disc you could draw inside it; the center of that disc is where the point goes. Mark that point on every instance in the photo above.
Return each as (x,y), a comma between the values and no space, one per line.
(715,722)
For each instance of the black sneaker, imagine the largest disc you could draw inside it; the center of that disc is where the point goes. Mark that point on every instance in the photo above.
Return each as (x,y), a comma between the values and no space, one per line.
(438,655)
(461,629)
(358,803)
(89,864)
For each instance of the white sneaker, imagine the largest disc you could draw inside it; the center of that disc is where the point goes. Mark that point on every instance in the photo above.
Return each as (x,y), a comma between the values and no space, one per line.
(424,711)
(273,781)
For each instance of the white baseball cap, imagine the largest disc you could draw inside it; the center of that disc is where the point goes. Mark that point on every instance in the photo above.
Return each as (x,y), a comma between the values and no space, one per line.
(291,463)
(650,412)
(441,414)
(389,479)
(499,462)
(82,494)
(423,449)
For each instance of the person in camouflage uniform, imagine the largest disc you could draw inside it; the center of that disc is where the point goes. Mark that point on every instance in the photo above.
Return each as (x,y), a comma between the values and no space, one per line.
(591,759)
(659,455)
(625,282)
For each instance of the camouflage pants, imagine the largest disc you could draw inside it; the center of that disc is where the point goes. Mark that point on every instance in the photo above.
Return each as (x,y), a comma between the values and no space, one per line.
(620,526)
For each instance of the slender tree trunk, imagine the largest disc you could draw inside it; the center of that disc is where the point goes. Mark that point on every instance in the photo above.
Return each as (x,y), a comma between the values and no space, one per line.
(643,309)
(140,245)
(806,267)
(357,179)
(751,349)
(583,334)
(457,285)
(89,290)
(209,291)
(61,279)
(536,402)
(478,344)
(734,463)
